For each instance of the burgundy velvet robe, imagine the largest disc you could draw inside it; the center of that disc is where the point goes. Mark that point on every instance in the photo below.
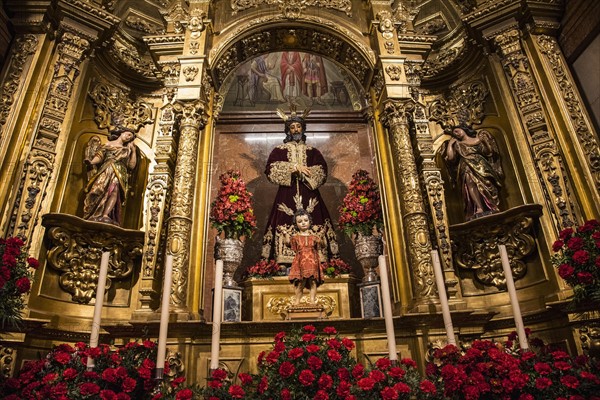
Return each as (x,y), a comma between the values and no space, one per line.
(295,192)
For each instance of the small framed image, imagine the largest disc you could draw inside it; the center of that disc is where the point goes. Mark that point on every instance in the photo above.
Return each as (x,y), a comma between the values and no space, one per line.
(232,305)
(370,301)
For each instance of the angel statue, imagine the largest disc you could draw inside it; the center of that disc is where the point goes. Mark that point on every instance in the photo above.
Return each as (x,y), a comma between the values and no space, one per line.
(473,161)
(109,167)
(299,170)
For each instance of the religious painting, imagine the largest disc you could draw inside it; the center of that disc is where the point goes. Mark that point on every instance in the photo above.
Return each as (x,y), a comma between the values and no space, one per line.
(304,79)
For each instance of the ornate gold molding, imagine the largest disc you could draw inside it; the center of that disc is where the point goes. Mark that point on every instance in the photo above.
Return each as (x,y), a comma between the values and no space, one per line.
(465,104)
(397,116)
(114,108)
(580,123)
(293,8)
(23,48)
(40,160)
(279,305)
(549,162)
(75,250)
(192,117)
(476,243)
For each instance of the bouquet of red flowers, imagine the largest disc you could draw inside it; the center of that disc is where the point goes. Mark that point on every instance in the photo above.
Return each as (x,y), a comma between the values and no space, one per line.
(15,279)
(127,373)
(360,211)
(490,370)
(231,212)
(265,269)
(306,365)
(335,267)
(578,260)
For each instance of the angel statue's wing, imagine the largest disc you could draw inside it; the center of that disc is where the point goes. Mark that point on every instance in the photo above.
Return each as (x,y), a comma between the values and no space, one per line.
(494,157)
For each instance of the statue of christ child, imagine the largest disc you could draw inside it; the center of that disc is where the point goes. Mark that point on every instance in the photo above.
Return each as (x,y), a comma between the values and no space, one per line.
(306,267)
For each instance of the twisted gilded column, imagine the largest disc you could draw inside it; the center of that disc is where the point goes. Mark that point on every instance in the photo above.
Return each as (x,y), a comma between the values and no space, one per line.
(396,117)
(192,120)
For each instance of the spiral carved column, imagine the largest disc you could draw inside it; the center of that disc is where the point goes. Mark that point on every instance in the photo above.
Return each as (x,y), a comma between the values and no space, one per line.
(396,117)
(192,119)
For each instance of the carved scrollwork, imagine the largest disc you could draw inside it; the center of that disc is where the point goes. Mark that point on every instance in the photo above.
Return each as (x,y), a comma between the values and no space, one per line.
(465,104)
(7,361)
(476,243)
(279,305)
(292,9)
(75,251)
(115,109)
(394,72)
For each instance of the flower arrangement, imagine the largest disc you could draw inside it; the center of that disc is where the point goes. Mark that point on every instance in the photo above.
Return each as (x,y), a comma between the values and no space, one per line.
(231,212)
(264,269)
(307,365)
(127,373)
(578,260)
(335,267)
(15,280)
(360,211)
(489,370)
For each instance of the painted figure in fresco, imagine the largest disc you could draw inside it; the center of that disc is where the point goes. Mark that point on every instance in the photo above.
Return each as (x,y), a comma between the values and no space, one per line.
(299,170)
(473,160)
(109,167)
(292,75)
(264,86)
(315,78)
(306,266)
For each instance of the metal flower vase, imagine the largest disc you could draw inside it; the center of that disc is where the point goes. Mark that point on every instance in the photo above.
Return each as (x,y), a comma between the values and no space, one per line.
(231,252)
(368,248)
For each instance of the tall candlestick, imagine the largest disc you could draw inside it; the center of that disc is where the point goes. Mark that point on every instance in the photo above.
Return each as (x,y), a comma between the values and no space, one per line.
(387,309)
(514,301)
(95,333)
(216,328)
(441,287)
(164,317)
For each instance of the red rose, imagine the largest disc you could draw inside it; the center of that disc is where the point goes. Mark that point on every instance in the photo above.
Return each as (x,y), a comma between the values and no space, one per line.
(185,394)
(286,369)
(366,384)
(557,245)
(306,377)
(314,362)
(402,387)
(88,388)
(129,384)
(565,271)
(542,383)
(285,394)
(427,387)
(383,363)
(325,381)
(333,355)
(321,395)
(569,381)
(236,392)
(585,277)
(329,330)
(575,243)
(581,257)
(263,385)
(389,394)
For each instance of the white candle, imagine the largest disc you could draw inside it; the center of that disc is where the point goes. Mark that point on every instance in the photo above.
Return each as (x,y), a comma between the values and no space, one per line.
(216,321)
(164,317)
(387,309)
(514,301)
(441,287)
(100,289)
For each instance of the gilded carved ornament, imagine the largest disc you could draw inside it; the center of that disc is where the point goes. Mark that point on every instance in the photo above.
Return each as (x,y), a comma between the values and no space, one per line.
(475,244)
(24,47)
(139,23)
(280,305)
(114,108)
(465,104)
(124,52)
(292,9)
(75,249)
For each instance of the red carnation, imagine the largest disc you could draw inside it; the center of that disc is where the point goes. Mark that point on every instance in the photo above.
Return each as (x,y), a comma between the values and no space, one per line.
(185,394)
(383,363)
(575,243)
(389,394)
(325,381)
(285,394)
(427,387)
(542,383)
(557,245)
(88,388)
(286,369)
(306,377)
(314,362)
(585,277)
(581,256)
(334,356)
(236,392)
(129,384)
(565,271)
(366,384)
(569,381)
(329,330)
